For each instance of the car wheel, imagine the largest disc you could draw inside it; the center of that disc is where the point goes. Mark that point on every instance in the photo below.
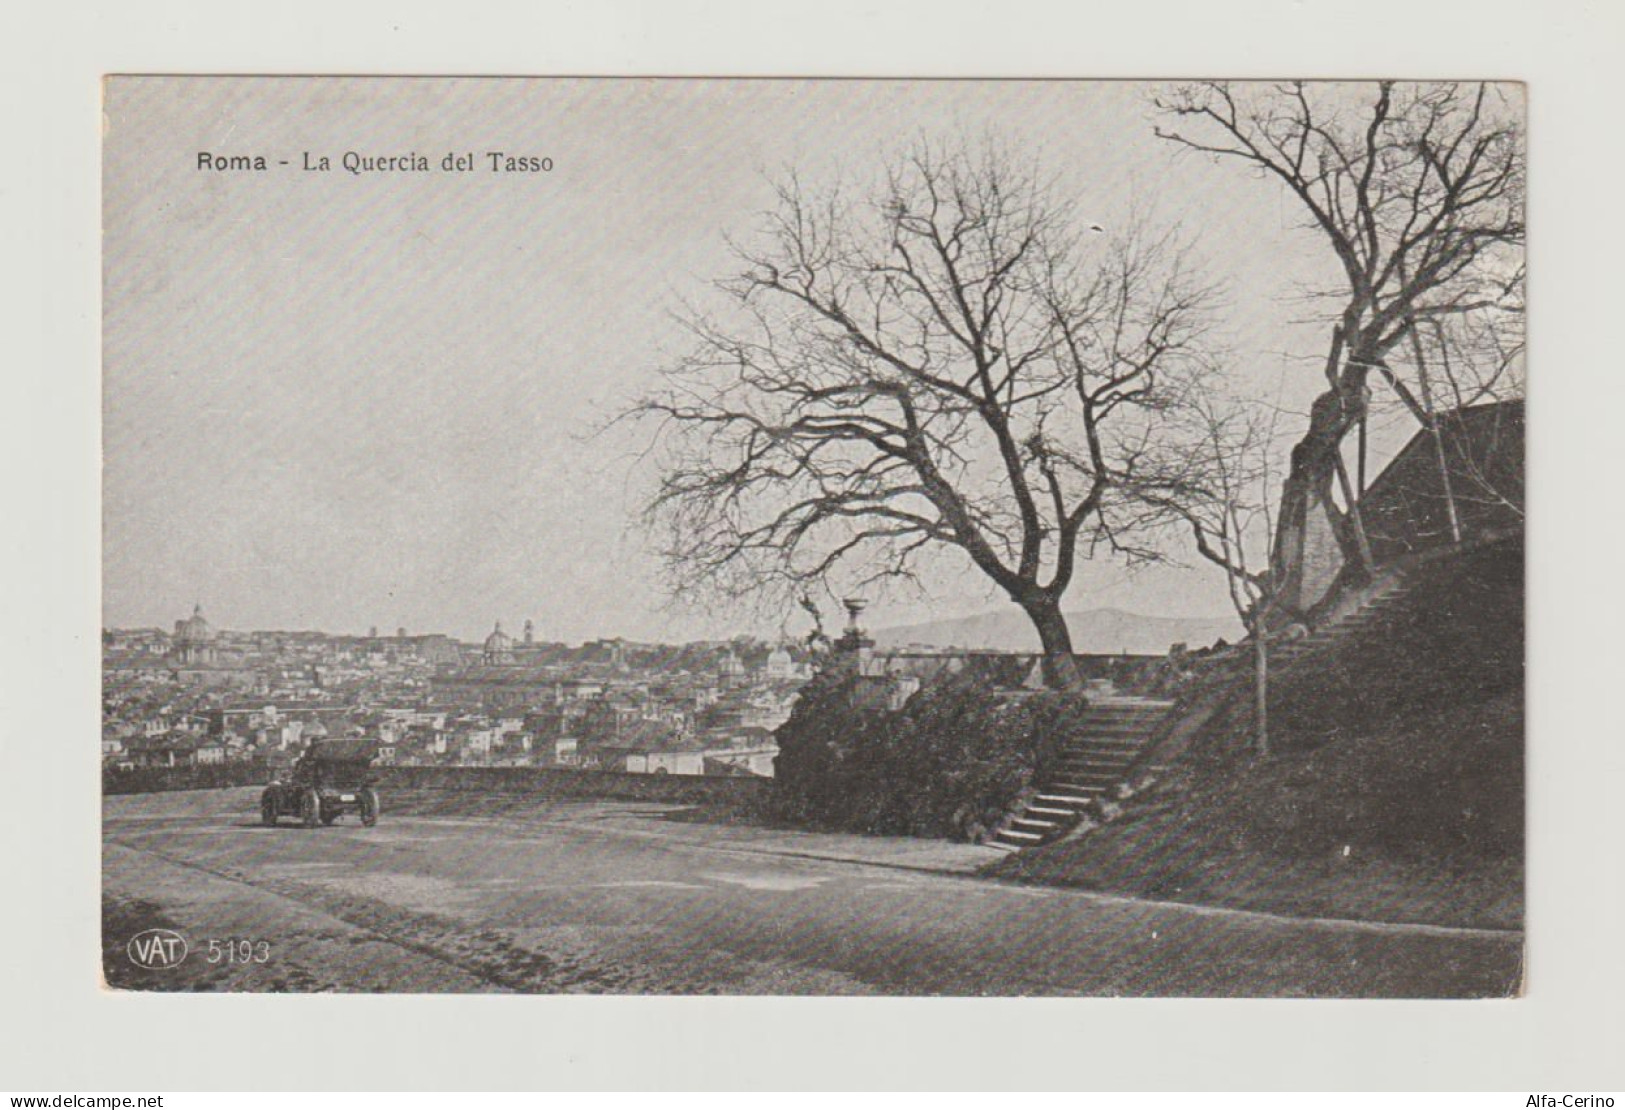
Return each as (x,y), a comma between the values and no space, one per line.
(310,809)
(369,807)
(329,816)
(268,810)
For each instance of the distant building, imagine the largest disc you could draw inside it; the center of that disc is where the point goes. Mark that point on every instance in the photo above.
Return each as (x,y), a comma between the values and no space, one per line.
(196,660)
(730,670)
(496,687)
(194,640)
(498,648)
(171,749)
(781,665)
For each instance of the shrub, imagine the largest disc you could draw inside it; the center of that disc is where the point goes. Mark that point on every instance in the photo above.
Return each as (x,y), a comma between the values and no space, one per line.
(950,763)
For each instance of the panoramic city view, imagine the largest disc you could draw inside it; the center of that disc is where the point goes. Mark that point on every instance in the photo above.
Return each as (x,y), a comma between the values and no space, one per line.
(813,537)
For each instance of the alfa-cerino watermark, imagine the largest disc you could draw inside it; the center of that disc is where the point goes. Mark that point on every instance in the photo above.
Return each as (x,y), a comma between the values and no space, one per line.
(1566,1101)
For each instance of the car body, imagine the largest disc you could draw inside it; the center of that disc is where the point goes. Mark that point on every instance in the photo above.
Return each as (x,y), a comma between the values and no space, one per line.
(331,778)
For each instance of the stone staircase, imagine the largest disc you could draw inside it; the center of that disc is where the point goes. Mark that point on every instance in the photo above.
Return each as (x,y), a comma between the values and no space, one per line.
(1367,615)
(1110,739)
(1117,731)
(1375,610)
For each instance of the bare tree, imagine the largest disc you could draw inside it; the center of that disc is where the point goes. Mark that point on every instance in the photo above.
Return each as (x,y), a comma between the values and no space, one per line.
(955,364)
(1418,189)
(1228,506)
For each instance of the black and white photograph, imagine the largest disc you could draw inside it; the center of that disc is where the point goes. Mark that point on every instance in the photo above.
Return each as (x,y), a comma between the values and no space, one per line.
(813,536)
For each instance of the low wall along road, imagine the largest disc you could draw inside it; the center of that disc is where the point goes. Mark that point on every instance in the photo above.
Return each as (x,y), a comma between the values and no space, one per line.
(541,782)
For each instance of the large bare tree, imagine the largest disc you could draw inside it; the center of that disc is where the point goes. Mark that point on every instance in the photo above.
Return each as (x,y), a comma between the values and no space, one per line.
(1418,191)
(951,363)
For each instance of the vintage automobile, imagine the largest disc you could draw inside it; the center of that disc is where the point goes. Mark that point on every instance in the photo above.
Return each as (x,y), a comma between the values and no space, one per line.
(332,777)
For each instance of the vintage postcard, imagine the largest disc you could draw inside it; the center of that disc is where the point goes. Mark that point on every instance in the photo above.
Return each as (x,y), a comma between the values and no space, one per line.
(815,537)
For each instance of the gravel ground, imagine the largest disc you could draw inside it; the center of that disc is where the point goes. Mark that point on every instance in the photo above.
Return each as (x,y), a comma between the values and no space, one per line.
(621,898)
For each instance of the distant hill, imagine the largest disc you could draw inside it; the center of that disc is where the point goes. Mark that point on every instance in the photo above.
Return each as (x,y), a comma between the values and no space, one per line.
(1094,632)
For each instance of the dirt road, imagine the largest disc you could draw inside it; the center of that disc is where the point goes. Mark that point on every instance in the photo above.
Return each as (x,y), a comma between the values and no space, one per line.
(623,897)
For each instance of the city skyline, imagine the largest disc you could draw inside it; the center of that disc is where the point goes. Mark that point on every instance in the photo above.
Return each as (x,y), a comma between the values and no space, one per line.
(1143,626)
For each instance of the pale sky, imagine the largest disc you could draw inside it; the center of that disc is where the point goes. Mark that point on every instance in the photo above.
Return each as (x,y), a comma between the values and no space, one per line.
(334,401)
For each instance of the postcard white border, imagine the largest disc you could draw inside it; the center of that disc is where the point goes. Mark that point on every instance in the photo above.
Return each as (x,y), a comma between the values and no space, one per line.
(63,1033)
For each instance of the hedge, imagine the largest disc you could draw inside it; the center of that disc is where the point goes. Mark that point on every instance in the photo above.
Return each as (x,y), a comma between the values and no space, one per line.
(951,763)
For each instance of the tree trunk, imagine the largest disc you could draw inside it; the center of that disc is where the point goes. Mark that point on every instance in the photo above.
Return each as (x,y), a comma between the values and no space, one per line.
(1060,669)
(1306,497)
(1261,693)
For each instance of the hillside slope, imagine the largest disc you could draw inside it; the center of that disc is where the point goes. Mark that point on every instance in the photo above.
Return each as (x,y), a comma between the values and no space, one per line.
(1397,793)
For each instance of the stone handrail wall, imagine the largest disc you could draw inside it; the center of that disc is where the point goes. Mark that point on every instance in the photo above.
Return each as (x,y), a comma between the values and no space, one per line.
(208,776)
(540,781)
(557,783)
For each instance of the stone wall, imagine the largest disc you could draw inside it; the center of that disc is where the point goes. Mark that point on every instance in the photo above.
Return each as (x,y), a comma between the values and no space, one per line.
(217,776)
(540,781)
(551,783)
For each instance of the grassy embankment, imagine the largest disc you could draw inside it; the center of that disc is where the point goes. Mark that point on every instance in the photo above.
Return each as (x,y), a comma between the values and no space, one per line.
(1397,793)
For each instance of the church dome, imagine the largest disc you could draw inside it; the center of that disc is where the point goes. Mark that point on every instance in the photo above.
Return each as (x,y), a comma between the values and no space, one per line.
(498,647)
(498,640)
(194,630)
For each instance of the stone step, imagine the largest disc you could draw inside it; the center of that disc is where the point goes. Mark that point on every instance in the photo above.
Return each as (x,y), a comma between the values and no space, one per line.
(1064,813)
(1089,781)
(1073,801)
(1083,766)
(1019,836)
(1091,768)
(1087,789)
(1032,824)
(1113,744)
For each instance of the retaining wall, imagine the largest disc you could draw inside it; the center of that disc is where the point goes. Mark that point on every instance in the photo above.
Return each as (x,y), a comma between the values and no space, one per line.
(209,776)
(540,781)
(553,783)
